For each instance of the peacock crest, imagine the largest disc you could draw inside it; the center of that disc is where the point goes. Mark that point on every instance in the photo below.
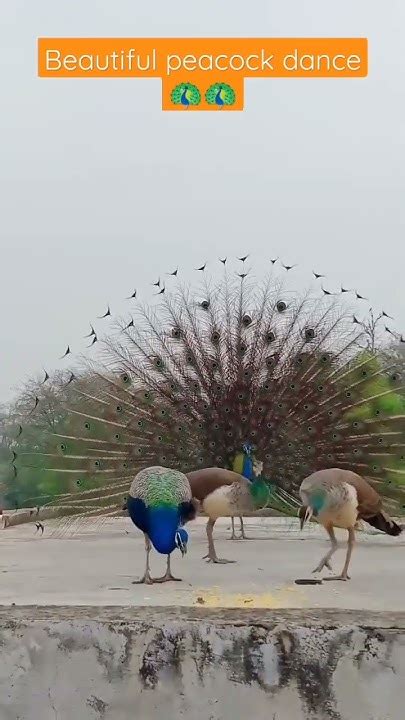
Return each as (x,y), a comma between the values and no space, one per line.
(185,94)
(220,94)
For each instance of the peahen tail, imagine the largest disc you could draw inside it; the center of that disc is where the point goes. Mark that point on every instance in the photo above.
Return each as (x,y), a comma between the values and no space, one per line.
(383,522)
(184,383)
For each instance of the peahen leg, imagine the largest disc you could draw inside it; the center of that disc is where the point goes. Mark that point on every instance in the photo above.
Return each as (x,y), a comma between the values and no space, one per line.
(146,577)
(242,527)
(212,555)
(233,536)
(325,560)
(350,545)
(168,574)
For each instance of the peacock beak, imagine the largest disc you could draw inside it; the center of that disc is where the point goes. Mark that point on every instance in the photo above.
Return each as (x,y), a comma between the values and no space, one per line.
(182,546)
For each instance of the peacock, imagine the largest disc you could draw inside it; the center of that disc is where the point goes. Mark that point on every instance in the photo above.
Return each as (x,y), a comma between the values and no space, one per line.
(340,498)
(220,94)
(184,380)
(185,94)
(245,464)
(159,503)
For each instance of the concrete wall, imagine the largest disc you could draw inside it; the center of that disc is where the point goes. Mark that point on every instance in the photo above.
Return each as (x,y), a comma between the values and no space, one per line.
(122,664)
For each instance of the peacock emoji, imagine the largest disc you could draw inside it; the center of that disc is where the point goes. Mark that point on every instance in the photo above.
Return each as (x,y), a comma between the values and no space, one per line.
(220,94)
(185,94)
(159,504)
(340,498)
(204,370)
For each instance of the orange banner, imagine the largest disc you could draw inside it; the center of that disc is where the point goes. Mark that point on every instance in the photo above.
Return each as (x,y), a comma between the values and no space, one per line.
(203,73)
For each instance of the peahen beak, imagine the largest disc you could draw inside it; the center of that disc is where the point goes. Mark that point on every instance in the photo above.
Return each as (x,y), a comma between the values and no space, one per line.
(304,513)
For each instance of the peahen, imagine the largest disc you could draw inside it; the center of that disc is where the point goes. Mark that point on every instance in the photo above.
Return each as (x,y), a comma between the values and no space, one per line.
(160,503)
(224,493)
(185,383)
(340,498)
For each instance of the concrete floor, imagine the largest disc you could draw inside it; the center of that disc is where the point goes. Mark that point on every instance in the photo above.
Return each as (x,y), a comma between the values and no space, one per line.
(94,564)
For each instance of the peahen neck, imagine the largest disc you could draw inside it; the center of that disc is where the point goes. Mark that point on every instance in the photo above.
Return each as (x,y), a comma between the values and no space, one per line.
(317,501)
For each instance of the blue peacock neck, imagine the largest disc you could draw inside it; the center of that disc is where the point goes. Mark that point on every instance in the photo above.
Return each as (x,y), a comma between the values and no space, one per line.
(244,463)
(164,522)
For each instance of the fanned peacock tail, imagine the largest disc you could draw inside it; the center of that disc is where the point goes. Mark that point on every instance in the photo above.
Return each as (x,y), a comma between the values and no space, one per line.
(185,383)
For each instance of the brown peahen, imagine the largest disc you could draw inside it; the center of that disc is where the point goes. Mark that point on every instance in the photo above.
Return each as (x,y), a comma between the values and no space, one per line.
(340,498)
(224,493)
(186,383)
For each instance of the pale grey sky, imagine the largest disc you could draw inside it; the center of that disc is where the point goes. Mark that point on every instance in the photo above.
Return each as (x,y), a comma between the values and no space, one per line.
(101,192)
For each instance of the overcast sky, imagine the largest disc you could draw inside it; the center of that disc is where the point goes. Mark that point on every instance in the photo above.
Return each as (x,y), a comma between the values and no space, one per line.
(101,192)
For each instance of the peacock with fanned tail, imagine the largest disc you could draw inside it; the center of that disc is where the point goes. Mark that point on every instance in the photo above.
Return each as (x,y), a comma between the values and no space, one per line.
(183,385)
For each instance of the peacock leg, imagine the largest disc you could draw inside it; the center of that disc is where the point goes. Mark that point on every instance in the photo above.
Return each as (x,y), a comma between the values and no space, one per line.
(233,536)
(325,560)
(212,555)
(168,574)
(350,545)
(146,577)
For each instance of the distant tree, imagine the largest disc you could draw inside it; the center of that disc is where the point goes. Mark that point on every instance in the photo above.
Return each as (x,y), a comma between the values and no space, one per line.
(40,410)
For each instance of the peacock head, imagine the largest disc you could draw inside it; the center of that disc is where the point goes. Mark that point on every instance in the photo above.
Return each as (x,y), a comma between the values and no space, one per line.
(181,540)
(305,513)
(247,448)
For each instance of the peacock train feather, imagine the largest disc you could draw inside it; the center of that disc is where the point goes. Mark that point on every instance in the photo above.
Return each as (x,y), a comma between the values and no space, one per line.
(186,383)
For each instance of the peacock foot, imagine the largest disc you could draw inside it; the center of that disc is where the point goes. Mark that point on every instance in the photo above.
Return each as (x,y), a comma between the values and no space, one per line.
(167,577)
(233,537)
(145,580)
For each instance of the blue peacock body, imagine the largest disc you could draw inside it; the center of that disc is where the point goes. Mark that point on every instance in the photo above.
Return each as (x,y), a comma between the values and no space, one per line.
(159,503)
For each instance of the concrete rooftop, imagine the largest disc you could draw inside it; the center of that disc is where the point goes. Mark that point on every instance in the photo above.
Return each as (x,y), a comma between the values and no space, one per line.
(94,564)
